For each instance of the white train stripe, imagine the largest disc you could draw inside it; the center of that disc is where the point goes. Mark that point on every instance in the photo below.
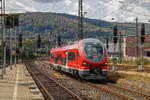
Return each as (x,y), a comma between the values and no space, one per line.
(68,67)
(104,69)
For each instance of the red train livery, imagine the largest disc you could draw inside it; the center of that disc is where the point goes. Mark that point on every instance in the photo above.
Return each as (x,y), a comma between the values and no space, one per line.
(86,58)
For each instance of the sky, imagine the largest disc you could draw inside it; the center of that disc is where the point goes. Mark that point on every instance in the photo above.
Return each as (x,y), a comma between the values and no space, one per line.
(120,10)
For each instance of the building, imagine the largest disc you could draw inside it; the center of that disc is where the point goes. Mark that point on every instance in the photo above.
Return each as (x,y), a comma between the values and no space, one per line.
(111,50)
(130,47)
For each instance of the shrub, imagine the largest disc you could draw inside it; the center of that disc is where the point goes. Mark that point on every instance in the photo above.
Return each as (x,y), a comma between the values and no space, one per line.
(145,61)
(110,60)
(138,61)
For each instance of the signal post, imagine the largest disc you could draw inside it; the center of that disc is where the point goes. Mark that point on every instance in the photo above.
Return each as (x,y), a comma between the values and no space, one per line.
(115,39)
(39,44)
(10,20)
(141,66)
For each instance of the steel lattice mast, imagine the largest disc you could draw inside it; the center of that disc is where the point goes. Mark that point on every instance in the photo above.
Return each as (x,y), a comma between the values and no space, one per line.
(80,21)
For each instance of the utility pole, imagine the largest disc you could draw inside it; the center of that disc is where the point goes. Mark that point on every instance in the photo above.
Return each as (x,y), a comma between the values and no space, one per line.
(15,48)
(2,49)
(80,21)
(10,44)
(4,40)
(136,55)
(120,51)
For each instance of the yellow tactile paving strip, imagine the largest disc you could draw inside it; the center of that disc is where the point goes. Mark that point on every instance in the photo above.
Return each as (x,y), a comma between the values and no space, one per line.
(12,88)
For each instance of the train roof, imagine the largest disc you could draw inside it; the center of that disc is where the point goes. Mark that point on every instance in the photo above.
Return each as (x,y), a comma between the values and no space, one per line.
(76,45)
(67,47)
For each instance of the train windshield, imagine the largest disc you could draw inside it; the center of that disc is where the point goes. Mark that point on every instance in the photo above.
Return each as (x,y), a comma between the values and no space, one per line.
(93,50)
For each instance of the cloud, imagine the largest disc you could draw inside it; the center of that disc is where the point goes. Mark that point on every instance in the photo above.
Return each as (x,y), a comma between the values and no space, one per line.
(46,1)
(67,2)
(121,10)
(17,6)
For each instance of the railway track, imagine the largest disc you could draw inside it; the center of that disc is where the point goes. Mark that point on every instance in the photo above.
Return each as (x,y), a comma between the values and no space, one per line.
(135,86)
(51,89)
(132,95)
(121,92)
(130,91)
(110,91)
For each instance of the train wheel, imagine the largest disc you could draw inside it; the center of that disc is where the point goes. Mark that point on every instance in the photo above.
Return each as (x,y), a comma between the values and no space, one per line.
(73,72)
(77,75)
(59,68)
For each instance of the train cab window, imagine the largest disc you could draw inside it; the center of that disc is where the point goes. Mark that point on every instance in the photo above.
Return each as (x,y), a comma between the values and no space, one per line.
(94,50)
(78,54)
(71,55)
(52,56)
(59,57)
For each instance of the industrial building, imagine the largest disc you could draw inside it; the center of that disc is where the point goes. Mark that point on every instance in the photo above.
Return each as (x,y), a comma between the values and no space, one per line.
(132,50)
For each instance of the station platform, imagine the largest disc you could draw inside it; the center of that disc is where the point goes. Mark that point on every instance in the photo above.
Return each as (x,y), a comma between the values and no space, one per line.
(17,84)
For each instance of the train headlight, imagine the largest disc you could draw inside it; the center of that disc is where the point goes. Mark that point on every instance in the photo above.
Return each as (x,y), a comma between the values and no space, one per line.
(85,64)
(106,63)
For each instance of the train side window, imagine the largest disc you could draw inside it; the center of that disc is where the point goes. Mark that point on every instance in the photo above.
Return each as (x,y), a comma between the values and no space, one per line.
(63,61)
(59,56)
(71,56)
(52,56)
(55,60)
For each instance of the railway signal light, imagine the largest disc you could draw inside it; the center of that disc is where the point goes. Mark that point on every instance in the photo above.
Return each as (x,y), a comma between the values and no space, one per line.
(115,34)
(39,42)
(59,41)
(4,44)
(16,20)
(20,40)
(142,33)
(107,41)
(9,21)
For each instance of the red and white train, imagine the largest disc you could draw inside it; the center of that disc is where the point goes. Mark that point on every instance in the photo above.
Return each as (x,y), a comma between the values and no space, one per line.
(86,58)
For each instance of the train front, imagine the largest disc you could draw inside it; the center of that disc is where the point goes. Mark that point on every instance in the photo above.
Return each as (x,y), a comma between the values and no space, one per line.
(94,61)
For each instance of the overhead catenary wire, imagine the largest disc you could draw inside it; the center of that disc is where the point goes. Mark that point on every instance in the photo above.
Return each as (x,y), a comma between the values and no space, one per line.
(125,8)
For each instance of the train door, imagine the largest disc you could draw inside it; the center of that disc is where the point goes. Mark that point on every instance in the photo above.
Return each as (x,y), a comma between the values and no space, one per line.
(54,58)
(76,58)
(55,55)
(66,58)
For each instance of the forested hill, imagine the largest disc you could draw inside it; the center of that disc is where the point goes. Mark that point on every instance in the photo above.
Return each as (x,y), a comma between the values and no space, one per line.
(66,25)
(32,24)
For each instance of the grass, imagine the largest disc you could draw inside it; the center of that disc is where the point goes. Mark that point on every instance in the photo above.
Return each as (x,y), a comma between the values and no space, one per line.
(116,76)
(130,62)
